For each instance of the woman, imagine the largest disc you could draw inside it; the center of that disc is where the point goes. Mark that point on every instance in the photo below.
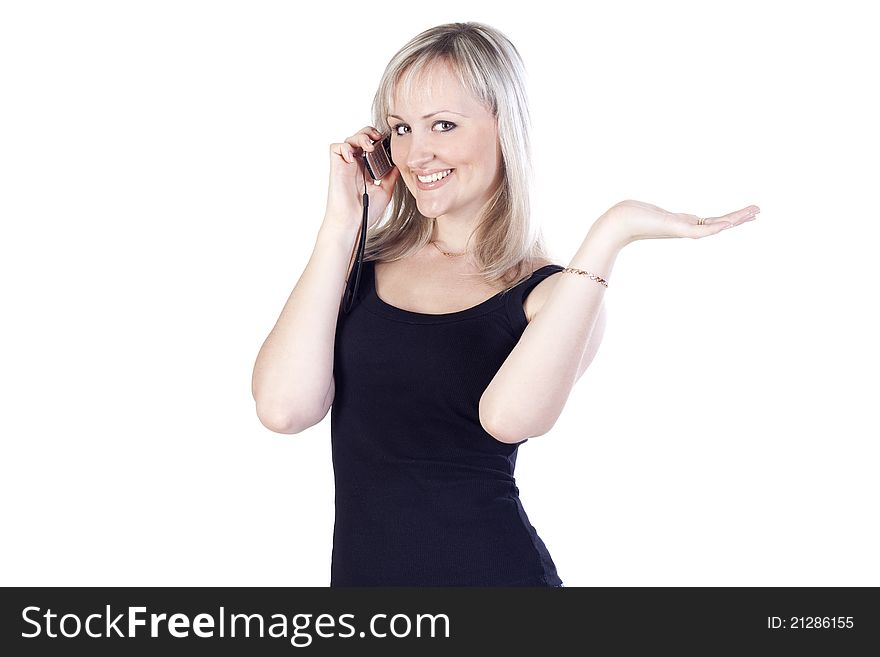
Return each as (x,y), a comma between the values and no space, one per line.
(463,340)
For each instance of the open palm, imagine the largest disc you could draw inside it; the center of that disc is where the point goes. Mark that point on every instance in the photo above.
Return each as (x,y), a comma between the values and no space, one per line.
(635,220)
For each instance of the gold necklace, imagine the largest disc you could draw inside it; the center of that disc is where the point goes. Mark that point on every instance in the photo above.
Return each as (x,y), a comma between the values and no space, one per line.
(446,253)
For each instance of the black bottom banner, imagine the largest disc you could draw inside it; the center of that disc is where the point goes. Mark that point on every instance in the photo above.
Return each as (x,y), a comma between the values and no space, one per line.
(438,621)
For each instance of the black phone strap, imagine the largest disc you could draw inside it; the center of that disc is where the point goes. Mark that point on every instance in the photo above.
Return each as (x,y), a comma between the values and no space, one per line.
(351,293)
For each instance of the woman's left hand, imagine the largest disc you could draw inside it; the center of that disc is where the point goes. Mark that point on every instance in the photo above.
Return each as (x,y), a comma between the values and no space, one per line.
(634,220)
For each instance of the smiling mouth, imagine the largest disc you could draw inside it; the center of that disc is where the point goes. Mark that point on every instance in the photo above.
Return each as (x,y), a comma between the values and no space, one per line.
(430,176)
(435,183)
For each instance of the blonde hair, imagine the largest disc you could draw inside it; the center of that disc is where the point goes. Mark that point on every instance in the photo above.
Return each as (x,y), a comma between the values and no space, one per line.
(509,244)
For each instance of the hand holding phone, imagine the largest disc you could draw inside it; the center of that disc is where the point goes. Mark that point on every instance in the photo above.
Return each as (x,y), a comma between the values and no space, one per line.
(348,170)
(378,161)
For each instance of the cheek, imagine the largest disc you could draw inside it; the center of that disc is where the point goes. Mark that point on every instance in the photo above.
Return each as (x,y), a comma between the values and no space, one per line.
(489,165)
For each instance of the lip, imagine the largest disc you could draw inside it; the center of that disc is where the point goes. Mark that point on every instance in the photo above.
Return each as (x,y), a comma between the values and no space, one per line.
(436,184)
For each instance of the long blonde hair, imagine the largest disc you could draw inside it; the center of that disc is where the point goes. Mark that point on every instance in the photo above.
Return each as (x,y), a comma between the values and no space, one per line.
(509,245)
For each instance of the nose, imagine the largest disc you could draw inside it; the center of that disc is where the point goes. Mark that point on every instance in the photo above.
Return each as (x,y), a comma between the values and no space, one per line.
(420,152)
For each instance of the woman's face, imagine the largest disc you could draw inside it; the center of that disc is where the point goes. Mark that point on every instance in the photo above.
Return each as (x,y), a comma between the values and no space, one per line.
(460,134)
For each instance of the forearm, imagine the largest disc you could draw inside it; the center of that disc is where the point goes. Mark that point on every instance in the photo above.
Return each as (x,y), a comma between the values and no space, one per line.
(529,391)
(294,367)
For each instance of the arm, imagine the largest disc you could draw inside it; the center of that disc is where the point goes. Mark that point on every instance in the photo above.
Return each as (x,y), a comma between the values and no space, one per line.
(529,391)
(538,297)
(293,373)
(527,394)
(594,342)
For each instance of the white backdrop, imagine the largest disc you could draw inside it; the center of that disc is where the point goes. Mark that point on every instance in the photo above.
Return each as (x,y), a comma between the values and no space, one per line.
(163,174)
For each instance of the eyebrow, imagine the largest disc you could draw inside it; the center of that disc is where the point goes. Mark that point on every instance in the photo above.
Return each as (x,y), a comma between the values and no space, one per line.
(428,116)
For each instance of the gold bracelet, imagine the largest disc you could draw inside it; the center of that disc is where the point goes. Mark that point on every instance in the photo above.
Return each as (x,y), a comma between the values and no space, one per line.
(598,279)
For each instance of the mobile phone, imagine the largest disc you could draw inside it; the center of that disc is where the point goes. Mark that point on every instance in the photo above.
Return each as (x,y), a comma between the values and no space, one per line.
(378,161)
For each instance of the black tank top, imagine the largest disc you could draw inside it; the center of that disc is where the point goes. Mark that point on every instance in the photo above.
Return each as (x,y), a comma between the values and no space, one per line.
(424,495)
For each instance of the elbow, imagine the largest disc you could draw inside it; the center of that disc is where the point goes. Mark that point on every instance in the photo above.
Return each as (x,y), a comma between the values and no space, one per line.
(500,430)
(282,420)
(505,438)
(488,423)
(512,437)
(500,436)
(510,432)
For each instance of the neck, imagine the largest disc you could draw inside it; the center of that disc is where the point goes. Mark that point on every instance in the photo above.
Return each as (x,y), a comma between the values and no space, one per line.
(451,236)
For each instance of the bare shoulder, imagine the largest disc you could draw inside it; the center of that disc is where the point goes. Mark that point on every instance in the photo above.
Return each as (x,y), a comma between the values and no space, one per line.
(542,291)
(539,295)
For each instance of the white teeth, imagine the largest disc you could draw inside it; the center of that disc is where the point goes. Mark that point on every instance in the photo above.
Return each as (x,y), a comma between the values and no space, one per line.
(435,176)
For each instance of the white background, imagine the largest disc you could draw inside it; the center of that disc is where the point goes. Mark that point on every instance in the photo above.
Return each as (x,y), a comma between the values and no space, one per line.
(163,174)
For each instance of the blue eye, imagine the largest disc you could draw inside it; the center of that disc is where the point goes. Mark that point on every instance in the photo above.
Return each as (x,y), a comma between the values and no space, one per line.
(402,125)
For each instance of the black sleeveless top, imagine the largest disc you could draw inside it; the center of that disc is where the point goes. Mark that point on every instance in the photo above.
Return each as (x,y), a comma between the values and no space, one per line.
(424,495)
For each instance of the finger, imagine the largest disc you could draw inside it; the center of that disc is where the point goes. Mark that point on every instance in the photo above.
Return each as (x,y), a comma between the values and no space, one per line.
(338,149)
(344,150)
(696,227)
(359,144)
(365,137)
(731,216)
(731,219)
(744,214)
(371,132)
(371,138)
